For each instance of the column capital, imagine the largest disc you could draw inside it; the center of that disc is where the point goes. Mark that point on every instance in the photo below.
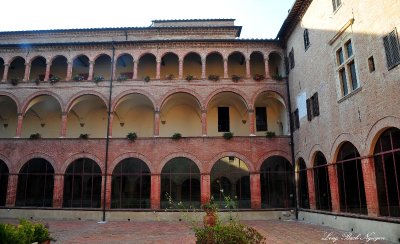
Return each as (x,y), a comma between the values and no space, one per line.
(91,62)
(48,63)
(203,111)
(6,64)
(27,64)
(250,110)
(69,62)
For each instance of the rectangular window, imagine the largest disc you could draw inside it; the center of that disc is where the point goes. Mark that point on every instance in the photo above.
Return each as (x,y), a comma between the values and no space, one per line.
(223,119)
(296,119)
(343,81)
(261,119)
(349,49)
(315,104)
(346,68)
(336,4)
(291,59)
(371,64)
(340,57)
(354,82)
(392,49)
(309,113)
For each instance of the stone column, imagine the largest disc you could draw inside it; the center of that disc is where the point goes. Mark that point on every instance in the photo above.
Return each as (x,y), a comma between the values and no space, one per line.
(205,188)
(58,191)
(371,192)
(156,123)
(69,71)
(5,74)
(226,68)
(248,68)
(64,118)
(27,71)
(267,75)
(251,122)
(158,69)
(311,188)
(180,75)
(155,192)
(255,190)
(333,182)
(91,66)
(110,125)
(203,67)
(135,68)
(11,190)
(19,125)
(47,74)
(204,122)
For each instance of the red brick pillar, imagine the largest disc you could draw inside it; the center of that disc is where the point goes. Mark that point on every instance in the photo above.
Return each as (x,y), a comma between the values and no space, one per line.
(91,66)
(11,190)
(205,188)
(110,125)
(19,125)
(155,191)
(248,68)
(267,75)
(47,74)
(156,123)
(158,69)
(226,68)
(5,73)
(27,71)
(204,122)
(371,193)
(69,71)
(333,182)
(58,191)
(114,70)
(255,190)
(135,66)
(203,67)
(64,119)
(251,122)
(311,188)
(180,75)
(108,191)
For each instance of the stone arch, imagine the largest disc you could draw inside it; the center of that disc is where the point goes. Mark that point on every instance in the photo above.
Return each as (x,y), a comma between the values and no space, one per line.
(117,99)
(12,97)
(80,54)
(41,93)
(18,166)
(269,154)
(35,57)
(122,54)
(7,162)
(236,51)
(262,90)
(97,55)
(189,52)
(217,52)
(233,90)
(51,59)
(163,99)
(339,141)
(168,52)
(166,159)
(74,157)
(127,155)
(217,157)
(82,93)
(299,155)
(13,58)
(376,130)
(145,53)
(258,51)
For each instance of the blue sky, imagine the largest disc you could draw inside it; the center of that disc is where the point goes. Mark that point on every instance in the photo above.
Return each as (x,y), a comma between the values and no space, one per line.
(259,18)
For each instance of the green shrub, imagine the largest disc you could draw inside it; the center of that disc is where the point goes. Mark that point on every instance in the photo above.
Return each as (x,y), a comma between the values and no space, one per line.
(131,136)
(270,134)
(213,77)
(35,136)
(25,233)
(189,77)
(98,78)
(78,78)
(122,78)
(236,78)
(84,136)
(146,78)
(176,136)
(14,81)
(54,79)
(228,135)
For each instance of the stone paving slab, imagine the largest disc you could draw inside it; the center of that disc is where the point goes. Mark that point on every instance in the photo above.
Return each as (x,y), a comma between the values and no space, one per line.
(67,231)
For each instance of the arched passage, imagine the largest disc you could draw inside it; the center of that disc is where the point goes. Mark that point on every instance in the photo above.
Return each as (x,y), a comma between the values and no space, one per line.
(350,180)
(3,182)
(169,66)
(82,184)
(321,183)
(102,67)
(230,177)
(302,183)
(1,68)
(277,189)
(8,117)
(236,64)
(257,64)
(35,184)
(16,70)
(124,68)
(387,171)
(147,66)
(131,184)
(180,179)
(275,65)
(38,69)
(214,64)
(80,68)
(59,67)
(192,65)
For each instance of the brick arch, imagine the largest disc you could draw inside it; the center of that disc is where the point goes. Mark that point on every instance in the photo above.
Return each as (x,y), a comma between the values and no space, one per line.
(280,54)
(236,51)
(269,154)
(132,91)
(18,166)
(168,52)
(97,55)
(74,157)
(80,54)
(227,89)
(215,51)
(27,101)
(262,90)
(166,159)
(82,93)
(122,54)
(376,130)
(123,156)
(258,51)
(217,157)
(14,98)
(339,141)
(13,58)
(313,152)
(299,155)
(35,57)
(51,59)
(7,162)
(189,52)
(162,100)
(144,53)
(297,164)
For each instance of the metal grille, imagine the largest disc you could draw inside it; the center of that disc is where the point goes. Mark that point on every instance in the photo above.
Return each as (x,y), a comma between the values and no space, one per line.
(321,183)
(392,49)
(303,184)
(3,182)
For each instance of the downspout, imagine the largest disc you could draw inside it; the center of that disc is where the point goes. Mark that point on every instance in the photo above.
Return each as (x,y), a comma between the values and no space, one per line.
(108,134)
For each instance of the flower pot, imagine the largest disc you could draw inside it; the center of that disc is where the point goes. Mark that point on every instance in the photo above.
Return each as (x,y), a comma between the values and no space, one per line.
(210,219)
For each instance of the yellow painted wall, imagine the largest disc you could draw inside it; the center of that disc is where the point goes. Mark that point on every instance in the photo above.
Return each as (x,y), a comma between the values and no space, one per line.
(8,112)
(139,120)
(95,124)
(236,124)
(181,118)
(31,125)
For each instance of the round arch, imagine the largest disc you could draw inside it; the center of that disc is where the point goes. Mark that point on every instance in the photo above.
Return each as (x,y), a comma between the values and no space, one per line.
(72,100)
(26,104)
(218,156)
(97,55)
(14,58)
(77,156)
(161,102)
(117,100)
(127,155)
(376,131)
(166,159)
(238,92)
(337,144)
(52,58)
(18,166)
(272,153)
(12,97)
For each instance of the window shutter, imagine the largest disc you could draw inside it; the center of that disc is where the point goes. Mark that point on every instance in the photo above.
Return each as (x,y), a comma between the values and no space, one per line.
(296,119)
(391,45)
(309,115)
(287,65)
(315,104)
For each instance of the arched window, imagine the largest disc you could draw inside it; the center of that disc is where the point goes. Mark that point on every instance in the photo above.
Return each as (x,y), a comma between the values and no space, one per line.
(306,39)
(303,184)
(180,179)
(387,170)
(3,183)
(350,180)
(321,183)
(35,184)
(82,184)
(277,189)
(130,187)
(230,177)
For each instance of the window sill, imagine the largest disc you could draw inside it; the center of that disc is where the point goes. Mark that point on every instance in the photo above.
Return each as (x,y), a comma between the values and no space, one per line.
(352,93)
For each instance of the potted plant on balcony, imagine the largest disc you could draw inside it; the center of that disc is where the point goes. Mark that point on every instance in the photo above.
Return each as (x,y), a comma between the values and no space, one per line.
(84,136)
(277,77)
(146,78)
(236,78)
(14,81)
(189,77)
(35,136)
(37,81)
(176,136)
(258,77)
(54,79)
(228,135)
(122,78)
(213,77)
(78,78)
(131,136)
(270,134)
(98,78)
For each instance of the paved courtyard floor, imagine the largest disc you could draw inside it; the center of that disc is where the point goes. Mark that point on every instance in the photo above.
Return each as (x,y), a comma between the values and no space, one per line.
(179,232)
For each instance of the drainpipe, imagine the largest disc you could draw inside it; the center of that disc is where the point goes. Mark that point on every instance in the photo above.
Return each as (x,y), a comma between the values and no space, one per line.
(296,210)
(108,133)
